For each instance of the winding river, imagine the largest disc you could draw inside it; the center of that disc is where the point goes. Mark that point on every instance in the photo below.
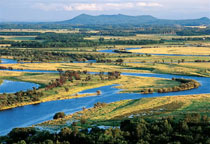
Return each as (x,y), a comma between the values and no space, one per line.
(33,114)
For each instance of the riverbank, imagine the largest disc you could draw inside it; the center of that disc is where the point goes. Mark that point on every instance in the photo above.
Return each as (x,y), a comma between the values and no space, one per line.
(65,95)
(128,84)
(155,108)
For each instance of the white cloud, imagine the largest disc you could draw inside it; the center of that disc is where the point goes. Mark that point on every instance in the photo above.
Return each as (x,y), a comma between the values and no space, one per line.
(119,5)
(88,7)
(68,8)
(151,4)
(94,6)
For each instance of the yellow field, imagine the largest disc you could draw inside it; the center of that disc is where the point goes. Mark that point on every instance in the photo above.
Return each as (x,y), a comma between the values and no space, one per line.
(95,67)
(5,45)
(166,59)
(197,65)
(175,50)
(7,57)
(10,73)
(38,78)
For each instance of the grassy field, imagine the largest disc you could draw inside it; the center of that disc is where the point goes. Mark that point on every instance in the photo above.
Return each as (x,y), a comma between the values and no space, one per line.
(180,69)
(153,58)
(196,65)
(19,38)
(136,84)
(175,50)
(156,108)
(95,67)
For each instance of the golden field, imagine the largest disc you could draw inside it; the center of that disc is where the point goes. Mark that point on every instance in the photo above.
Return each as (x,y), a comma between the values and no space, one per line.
(175,50)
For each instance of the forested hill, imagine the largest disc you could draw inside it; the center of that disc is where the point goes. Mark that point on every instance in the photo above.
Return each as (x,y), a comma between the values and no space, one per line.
(85,19)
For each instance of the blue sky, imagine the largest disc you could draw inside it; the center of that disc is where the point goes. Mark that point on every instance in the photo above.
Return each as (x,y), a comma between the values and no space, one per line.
(55,10)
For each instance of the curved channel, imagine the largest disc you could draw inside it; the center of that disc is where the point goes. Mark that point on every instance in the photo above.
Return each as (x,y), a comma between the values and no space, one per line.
(33,114)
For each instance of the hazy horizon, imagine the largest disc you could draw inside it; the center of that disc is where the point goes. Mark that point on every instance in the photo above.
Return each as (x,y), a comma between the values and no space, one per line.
(58,10)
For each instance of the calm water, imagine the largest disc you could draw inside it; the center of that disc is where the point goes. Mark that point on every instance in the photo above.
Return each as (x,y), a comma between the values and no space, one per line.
(12,61)
(8,61)
(33,114)
(14,86)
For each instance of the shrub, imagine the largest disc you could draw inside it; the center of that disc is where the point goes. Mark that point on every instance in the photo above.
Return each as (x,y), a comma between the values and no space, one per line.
(59,115)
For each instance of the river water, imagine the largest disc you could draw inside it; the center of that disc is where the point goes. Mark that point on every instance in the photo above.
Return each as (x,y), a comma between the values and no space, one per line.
(33,114)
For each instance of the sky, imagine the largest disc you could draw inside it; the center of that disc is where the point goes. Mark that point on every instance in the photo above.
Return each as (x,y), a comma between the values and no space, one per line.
(56,10)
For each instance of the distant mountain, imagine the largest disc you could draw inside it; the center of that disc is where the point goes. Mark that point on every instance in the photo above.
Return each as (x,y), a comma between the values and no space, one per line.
(120,19)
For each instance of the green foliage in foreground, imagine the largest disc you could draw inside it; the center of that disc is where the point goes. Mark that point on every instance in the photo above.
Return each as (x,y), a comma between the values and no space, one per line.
(192,128)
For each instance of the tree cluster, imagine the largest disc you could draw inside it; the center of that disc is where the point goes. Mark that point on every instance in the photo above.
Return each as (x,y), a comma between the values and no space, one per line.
(186,84)
(19,97)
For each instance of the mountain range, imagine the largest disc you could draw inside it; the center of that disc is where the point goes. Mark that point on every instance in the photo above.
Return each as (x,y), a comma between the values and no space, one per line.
(120,19)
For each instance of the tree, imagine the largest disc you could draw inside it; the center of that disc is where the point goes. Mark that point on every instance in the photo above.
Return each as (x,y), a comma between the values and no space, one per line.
(98,92)
(59,115)
(65,133)
(48,141)
(21,142)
